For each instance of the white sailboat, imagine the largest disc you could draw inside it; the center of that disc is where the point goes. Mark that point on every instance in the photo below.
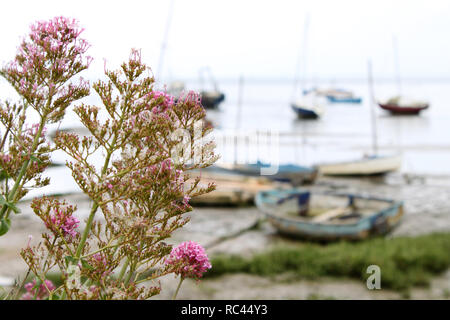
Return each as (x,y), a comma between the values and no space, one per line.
(368,165)
(307,106)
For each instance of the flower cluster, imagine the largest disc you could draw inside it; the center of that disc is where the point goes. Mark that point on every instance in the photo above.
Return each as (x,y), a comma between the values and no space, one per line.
(42,74)
(38,292)
(67,223)
(51,55)
(165,100)
(189,260)
(57,216)
(141,191)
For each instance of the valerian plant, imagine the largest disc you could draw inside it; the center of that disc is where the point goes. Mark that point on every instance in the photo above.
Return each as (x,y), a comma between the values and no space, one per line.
(46,62)
(141,190)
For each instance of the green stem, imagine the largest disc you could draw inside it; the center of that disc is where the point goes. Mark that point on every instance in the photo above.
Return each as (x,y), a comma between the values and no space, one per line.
(130,273)
(87,229)
(124,268)
(12,195)
(178,288)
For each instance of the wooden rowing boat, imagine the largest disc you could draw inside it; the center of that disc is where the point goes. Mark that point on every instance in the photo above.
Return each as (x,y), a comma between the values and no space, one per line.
(322,216)
(231,189)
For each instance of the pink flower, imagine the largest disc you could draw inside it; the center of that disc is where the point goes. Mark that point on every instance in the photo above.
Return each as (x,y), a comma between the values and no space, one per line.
(66,222)
(190,260)
(42,293)
(186,199)
(167,102)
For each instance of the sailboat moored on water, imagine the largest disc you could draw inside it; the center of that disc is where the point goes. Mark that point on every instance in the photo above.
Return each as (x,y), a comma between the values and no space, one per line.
(307,106)
(400,104)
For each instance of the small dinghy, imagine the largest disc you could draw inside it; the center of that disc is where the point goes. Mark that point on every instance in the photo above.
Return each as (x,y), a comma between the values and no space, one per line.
(321,216)
(292,173)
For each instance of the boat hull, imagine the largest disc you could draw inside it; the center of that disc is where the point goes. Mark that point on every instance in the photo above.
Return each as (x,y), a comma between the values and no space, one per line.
(304,113)
(378,223)
(395,109)
(296,175)
(232,189)
(364,167)
(211,101)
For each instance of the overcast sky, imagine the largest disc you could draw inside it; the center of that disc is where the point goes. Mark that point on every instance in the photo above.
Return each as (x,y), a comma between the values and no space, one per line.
(258,38)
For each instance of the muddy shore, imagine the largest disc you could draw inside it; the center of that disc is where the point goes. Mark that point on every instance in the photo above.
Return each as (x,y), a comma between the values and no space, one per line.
(230,230)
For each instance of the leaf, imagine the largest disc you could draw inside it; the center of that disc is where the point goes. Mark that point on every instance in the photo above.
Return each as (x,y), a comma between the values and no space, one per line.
(36,159)
(70,260)
(5,224)
(54,296)
(10,205)
(86,265)
(13,207)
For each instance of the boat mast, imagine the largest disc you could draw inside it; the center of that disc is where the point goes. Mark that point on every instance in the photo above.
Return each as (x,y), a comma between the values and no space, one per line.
(397,65)
(372,109)
(164,42)
(301,60)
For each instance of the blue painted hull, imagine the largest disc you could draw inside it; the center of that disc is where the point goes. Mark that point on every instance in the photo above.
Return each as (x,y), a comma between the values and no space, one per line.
(334,99)
(377,223)
(286,172)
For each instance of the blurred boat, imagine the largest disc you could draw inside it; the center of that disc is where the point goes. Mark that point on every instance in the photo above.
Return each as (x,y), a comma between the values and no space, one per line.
(294,174)
(335,95)
(316,216)
(210,99)
(343,96)
(402,105)
(369,165)
(305,111)
(231,190)
(307,107)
